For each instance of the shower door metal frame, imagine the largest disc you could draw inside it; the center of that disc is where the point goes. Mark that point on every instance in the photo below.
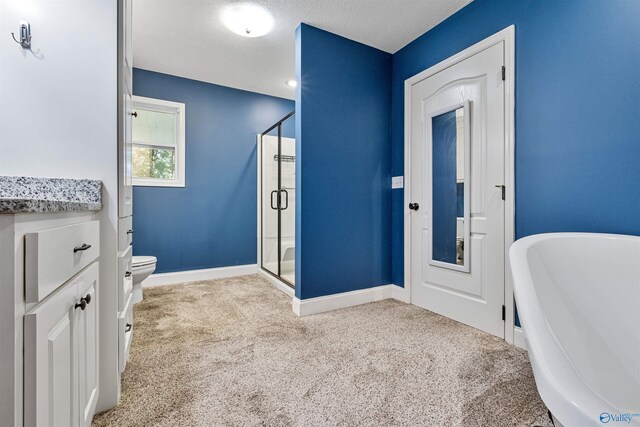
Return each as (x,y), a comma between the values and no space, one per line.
(277,275)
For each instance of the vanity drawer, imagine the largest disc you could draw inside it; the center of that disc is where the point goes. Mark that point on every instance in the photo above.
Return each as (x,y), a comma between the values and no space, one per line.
(125,334)
(125,278)
(125,233)
(54,255)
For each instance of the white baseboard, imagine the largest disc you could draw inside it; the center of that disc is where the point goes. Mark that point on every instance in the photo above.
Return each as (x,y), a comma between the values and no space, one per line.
(518,338)
(323,304)
(400,293)
(197,275)
(277,283)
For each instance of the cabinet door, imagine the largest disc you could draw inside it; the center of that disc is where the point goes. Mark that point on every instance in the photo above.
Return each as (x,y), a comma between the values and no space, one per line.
(50,392)
(88,345)
(125,333)
(127,38)
(125,76)
(125,278)
(125,188)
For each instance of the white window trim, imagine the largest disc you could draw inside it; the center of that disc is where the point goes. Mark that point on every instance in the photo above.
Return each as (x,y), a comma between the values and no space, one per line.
(166,107)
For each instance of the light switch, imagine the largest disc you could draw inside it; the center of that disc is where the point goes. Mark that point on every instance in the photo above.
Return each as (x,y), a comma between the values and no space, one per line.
(397,182)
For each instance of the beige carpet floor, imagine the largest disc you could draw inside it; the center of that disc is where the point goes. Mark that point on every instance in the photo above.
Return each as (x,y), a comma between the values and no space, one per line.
(231,352)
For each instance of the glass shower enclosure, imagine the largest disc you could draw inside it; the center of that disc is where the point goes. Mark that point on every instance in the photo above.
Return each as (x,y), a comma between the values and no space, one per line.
(277,161)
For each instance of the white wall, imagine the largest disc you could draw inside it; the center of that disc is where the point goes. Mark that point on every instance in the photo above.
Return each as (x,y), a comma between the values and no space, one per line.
(58,109)
(58,116)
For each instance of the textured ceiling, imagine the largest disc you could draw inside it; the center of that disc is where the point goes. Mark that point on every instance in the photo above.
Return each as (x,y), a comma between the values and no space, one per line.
(186,38)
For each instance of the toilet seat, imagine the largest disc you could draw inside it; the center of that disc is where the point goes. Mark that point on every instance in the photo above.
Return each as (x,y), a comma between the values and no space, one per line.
(142,261)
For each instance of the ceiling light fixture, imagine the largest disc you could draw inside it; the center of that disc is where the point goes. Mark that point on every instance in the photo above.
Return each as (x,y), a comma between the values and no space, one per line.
(248,20)
(292,83)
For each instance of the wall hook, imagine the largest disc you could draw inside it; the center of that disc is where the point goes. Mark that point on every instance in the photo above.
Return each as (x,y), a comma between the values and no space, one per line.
(25,35)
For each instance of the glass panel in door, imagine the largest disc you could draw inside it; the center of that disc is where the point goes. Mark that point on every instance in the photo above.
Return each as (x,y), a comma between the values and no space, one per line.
(269,202)
(287,164)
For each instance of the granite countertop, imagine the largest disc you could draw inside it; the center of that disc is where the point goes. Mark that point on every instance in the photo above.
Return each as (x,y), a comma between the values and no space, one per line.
(20,194)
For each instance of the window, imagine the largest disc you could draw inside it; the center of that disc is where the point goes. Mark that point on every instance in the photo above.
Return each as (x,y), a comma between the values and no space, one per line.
(157,142)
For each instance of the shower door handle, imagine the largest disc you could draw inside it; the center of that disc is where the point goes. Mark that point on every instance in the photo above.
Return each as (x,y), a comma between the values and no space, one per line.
(286,199)
(277,199)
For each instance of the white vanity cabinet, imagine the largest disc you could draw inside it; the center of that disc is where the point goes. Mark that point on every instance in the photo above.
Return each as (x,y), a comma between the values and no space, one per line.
(49,312)
(61,326)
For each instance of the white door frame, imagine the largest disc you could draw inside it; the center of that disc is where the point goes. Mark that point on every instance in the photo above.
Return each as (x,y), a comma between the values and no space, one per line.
(508,37)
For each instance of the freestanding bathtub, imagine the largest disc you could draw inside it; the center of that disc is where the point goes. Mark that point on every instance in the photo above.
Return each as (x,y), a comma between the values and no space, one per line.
(578,299)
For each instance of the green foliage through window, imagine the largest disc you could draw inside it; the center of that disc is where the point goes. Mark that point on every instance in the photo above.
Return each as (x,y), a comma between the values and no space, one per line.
(153,162)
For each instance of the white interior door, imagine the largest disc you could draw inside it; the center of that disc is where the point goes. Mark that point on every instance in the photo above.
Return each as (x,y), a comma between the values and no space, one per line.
(457,174)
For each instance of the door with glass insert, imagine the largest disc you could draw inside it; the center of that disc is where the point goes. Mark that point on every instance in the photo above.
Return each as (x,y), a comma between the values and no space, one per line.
(457,173)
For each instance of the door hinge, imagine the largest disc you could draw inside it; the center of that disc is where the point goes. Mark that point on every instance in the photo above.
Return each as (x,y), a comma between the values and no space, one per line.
(504,190)
(504,313)
(504,73)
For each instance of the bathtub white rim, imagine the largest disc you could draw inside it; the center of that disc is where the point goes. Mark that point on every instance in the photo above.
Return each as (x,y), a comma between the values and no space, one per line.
(553,393)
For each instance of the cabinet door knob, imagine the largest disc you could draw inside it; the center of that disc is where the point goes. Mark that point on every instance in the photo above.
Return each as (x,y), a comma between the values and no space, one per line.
(129,231)
(81,305)
(134,114)
(128,327)
(88,299)
(83,247)
(414,206)
(127,274)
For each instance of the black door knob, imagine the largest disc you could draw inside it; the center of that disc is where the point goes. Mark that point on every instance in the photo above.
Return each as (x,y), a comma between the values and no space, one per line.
(82,304)
(414,206)
(88,298)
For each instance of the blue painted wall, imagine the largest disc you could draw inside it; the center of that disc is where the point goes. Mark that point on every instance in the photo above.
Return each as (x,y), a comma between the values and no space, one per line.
(343,172)
(577,134)
(212,221)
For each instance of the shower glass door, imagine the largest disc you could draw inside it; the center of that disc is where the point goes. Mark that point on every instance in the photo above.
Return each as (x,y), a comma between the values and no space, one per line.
(277,199)
(269,206)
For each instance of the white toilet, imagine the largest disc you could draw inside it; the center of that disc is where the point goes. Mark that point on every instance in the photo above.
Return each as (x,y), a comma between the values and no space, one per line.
(142,267)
